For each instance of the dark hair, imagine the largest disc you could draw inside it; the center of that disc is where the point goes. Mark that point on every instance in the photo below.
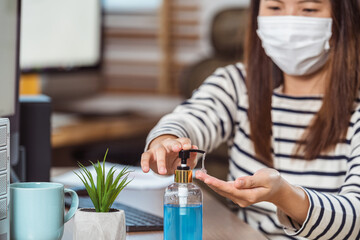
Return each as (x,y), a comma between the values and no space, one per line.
(330,124)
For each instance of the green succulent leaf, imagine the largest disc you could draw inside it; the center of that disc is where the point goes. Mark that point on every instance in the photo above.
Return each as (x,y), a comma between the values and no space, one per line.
(107,187)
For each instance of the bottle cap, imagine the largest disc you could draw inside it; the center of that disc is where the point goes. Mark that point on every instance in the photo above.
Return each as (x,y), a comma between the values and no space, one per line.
(183,174)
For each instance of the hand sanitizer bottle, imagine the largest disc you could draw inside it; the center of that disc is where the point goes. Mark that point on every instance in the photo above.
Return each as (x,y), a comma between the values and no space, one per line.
(183,204)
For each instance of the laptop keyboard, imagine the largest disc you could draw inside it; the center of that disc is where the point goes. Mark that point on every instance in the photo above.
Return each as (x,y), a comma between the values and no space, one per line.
(136,220)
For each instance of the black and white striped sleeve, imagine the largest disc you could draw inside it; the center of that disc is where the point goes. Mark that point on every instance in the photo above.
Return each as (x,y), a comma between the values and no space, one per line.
(333,216)
(208,117)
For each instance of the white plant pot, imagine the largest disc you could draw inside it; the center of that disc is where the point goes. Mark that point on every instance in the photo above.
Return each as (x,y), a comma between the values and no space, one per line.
(91,225)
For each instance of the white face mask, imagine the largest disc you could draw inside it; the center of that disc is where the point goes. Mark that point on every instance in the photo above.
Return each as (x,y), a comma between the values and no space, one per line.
(297,45)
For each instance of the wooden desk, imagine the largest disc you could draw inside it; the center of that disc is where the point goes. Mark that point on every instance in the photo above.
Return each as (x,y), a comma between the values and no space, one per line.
(89,130)
(109,116)
(219,224)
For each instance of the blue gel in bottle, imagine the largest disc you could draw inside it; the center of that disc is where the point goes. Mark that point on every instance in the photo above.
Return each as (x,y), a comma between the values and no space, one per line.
(183,204)
(182,223)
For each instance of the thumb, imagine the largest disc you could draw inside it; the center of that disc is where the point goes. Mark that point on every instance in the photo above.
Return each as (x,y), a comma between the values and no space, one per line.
(246,182)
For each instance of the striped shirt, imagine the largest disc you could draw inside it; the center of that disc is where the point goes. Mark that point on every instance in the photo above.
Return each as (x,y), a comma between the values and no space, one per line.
(217,112)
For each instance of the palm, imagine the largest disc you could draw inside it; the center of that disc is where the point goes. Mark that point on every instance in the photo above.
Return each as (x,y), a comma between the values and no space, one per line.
(262,186)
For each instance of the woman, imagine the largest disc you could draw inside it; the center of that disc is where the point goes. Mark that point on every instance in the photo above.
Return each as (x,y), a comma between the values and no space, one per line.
(291,118)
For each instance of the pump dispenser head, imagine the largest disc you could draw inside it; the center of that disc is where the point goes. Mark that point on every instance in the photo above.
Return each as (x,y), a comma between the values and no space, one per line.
(183,174)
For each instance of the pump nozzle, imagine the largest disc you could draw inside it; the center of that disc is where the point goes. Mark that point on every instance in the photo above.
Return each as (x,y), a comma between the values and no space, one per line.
(185,154)
(183,174)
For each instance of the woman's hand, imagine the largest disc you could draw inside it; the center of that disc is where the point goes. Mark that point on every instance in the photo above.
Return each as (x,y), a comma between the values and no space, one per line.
(265,185)
(163,154)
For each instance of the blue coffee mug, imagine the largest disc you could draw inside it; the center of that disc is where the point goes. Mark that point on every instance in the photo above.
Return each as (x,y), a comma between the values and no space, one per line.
(37,210)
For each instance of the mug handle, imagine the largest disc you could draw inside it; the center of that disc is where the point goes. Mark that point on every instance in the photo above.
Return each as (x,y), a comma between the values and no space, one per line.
(74,204)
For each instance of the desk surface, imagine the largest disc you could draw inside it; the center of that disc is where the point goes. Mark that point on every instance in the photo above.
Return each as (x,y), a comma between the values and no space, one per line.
(219,223)
(79,130)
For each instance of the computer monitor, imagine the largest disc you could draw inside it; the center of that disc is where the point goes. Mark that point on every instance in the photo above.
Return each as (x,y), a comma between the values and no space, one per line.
(9,70)
(60,35)
(8,56)
(9,66)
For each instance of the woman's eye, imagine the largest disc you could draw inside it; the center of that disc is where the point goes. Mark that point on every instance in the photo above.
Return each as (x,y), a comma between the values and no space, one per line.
(310,10)
(274,8)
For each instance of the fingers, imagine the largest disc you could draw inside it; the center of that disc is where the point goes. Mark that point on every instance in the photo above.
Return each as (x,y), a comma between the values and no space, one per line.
(162,156)
(200,175)
(161,160)
(145,161)
(215,183)
(247,190)
(172,145)
(176,145)
(185,142)
(223,188)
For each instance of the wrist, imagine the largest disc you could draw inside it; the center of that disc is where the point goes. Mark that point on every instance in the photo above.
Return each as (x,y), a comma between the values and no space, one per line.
(293,201)
(282,193)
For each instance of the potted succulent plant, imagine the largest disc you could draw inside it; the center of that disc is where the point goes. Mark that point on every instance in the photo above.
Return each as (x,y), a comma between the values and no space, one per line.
(101,222)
